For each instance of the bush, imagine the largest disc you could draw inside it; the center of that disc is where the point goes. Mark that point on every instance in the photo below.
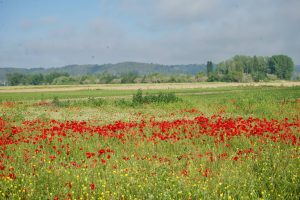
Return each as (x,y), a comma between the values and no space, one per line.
(138,98)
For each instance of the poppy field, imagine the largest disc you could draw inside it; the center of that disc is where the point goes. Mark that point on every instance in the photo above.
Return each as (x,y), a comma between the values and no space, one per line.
(242,143)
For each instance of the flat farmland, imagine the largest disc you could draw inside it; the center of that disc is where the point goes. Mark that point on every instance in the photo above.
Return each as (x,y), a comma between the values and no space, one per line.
(164,141)
(144,86)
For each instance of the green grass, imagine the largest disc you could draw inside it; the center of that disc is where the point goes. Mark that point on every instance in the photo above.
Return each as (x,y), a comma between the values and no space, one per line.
(271,174)
(269,102)
(20,96)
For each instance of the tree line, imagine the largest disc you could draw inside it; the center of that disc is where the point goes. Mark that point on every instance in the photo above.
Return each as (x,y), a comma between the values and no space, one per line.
(102,78)
(34,79)
(240,68)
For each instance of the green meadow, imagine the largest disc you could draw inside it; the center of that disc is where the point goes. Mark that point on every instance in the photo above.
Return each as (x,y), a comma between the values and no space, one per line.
(205,143)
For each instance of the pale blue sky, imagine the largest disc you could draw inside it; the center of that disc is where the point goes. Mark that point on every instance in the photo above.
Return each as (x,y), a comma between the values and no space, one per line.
(53,33)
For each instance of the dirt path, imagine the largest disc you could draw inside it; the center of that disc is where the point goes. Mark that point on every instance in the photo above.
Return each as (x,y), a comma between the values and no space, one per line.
(152,86)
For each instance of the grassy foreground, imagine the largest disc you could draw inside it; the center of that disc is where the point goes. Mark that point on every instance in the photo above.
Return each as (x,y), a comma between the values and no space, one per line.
(212,143)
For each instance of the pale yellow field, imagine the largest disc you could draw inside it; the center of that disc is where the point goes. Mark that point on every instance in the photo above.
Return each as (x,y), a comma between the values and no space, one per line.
(145,86)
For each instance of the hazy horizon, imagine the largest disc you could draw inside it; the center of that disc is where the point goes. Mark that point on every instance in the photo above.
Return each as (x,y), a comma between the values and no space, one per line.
(49,33)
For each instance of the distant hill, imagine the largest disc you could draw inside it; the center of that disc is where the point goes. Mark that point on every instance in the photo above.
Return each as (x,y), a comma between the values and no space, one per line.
(119,68)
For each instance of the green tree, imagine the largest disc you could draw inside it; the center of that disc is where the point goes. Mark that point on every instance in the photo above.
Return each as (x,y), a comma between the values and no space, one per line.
(256,74)
(214,77)
(48,78)
(281,65)
(106,77)
(200,77)
(128,77)
(65,80)
(15,78)
(222,68)
(209,67)
(35,79)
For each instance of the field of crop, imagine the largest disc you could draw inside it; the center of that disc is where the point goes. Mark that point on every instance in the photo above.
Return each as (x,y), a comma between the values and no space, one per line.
(229,142)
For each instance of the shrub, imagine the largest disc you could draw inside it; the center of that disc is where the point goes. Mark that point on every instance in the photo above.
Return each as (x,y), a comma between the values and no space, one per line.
(162,97)
(138,97)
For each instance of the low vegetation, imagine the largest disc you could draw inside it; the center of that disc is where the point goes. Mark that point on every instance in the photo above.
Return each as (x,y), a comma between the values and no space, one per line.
(138,99)
(218,143)
(164,98)
(237,69)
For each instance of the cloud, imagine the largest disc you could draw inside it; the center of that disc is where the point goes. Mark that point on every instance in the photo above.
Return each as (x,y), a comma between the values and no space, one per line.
(166,31)
(175,11)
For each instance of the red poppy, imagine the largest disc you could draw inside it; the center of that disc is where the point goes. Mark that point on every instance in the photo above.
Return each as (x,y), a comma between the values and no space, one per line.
(12,176)
(101,151)
(89,154)
(92,186)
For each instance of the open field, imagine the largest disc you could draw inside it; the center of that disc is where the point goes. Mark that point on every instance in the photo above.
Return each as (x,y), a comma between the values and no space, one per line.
(145,86)
(210,142)
(16,93)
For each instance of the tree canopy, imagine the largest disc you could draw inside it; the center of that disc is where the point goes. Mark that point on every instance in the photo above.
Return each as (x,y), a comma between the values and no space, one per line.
(239,68)
(257,68)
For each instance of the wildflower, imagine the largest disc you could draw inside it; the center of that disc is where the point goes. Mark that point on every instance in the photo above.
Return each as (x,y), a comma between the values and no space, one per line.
(184,172)
(92,186)
(89,154)
(52,157)
(101,151)
(206,173)
(235,158)
(12,176)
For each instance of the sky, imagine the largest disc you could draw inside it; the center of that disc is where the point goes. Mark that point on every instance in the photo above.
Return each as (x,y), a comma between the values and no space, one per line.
(54,33)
